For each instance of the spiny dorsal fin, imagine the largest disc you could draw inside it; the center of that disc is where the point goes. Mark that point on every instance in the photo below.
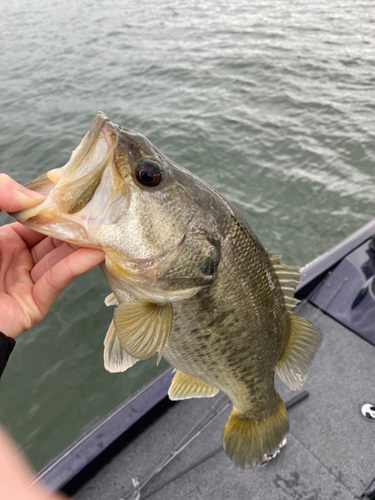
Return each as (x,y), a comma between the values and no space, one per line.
(186,387)
(115,358)
(288,277)
(302,344)
(143,328)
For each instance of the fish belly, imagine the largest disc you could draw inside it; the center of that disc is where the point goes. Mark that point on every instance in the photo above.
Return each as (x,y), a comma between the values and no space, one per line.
(222,337)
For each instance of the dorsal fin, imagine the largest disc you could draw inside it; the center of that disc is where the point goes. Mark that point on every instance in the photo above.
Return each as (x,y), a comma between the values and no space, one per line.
(288,277)
(304,338)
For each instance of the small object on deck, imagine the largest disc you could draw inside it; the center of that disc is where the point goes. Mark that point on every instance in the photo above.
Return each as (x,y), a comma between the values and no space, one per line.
(136,494)
(296,399)
(368,411)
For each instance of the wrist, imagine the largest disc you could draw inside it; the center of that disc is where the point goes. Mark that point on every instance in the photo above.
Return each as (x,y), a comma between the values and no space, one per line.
(10,334)
(10,331)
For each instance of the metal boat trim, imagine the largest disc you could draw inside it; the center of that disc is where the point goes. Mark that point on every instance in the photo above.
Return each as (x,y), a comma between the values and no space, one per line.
(318,268)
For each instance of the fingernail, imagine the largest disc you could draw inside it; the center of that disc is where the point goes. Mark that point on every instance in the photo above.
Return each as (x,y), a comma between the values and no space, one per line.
(31,194)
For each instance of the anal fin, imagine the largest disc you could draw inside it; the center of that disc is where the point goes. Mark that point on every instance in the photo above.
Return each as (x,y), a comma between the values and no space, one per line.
(302,344)
(186,387)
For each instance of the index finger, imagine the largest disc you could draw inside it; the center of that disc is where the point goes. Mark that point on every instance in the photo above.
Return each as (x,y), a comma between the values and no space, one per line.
(14,197)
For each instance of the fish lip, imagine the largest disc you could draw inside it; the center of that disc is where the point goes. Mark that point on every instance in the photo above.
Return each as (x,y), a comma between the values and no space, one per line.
(84,148)
(75,180)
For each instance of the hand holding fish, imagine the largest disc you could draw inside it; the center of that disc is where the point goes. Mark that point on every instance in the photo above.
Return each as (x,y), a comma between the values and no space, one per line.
(34,268)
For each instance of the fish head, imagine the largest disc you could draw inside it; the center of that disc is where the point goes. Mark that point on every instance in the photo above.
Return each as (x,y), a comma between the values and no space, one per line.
(120,194)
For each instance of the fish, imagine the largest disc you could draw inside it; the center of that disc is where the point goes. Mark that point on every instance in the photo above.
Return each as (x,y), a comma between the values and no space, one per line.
(190,281)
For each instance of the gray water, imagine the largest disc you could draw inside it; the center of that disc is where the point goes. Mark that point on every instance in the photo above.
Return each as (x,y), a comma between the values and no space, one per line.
(271,101)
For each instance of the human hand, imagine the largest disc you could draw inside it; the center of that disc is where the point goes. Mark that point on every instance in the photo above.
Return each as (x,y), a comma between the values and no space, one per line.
(34,269)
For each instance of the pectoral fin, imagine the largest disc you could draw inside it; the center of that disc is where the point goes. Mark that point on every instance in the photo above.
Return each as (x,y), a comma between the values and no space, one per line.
(186,387)
(115,358)
(143,328)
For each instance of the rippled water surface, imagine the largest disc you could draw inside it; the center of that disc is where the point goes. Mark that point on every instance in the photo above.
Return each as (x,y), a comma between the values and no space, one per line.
(271,101)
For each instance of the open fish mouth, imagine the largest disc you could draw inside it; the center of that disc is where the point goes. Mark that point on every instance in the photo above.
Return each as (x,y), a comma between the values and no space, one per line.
(108,197)
(85,193)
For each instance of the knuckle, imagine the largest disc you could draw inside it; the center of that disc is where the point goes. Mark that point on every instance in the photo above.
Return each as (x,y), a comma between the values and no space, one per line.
(72,273)
(52,280)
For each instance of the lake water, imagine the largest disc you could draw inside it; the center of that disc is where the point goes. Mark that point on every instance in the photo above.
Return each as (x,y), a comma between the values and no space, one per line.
(271,101)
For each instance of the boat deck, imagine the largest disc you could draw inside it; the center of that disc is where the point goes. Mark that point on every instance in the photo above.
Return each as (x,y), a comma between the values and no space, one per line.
(330,450)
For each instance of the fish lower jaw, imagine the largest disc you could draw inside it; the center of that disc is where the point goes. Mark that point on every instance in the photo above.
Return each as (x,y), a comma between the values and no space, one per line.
(71,233)
(52,222)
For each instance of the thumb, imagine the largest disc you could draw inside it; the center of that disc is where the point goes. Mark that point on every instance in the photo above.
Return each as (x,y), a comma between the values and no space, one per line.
(15,197)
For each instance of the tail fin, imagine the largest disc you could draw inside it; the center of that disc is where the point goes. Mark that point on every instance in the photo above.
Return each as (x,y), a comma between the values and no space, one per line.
(247,441)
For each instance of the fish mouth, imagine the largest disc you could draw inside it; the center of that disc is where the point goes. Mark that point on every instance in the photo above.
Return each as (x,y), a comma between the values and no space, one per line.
(82,195)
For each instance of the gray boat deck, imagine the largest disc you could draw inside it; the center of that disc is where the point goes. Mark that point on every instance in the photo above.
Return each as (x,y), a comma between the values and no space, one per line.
(330,451)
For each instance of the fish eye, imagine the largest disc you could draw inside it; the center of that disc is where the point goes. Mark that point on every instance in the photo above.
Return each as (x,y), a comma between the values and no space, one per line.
(148,173)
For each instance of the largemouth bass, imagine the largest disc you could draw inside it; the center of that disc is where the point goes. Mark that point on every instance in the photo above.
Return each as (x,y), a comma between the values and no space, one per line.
(190,281)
